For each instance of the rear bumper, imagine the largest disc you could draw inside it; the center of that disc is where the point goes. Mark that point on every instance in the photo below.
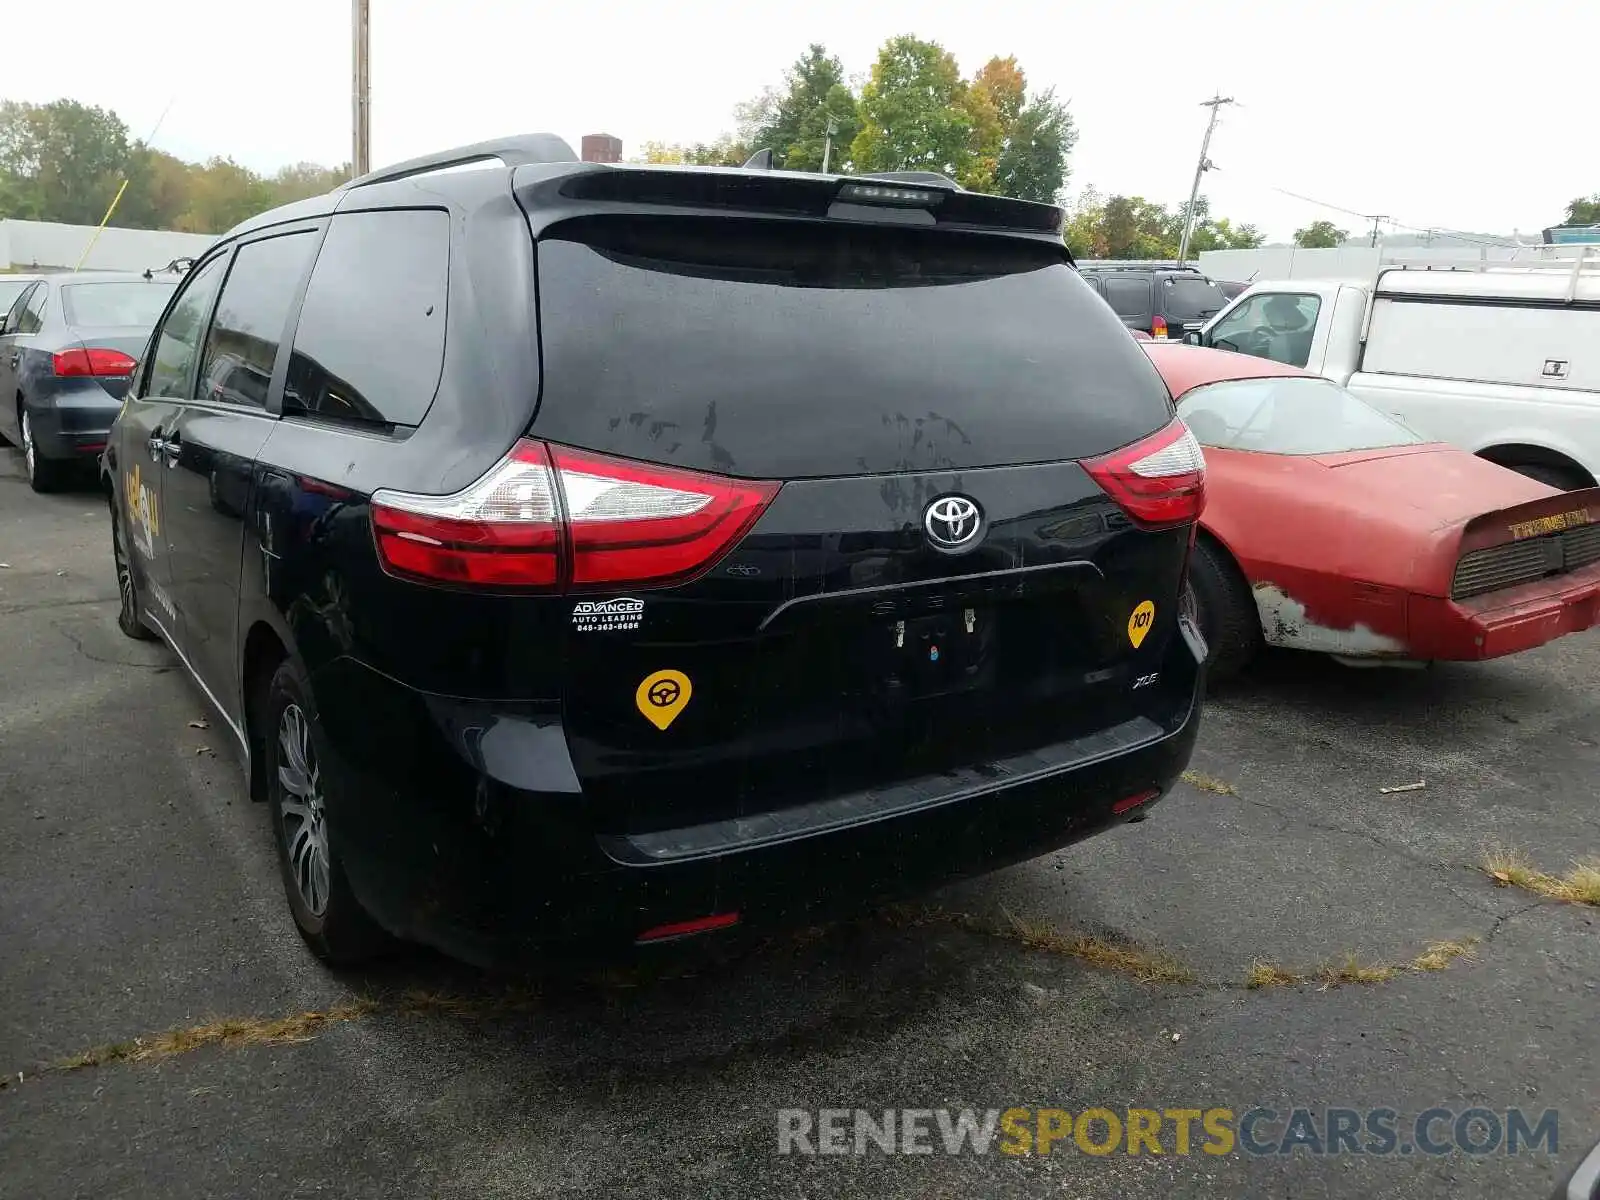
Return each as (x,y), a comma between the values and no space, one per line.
(1505,622)
(484,851)
(74,422)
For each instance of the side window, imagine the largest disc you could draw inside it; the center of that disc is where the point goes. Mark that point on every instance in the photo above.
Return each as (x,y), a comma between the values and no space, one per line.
(14,313)
(177,343)
(370,343)
(242,345)
(1128,297)
(1275,325)
(32,318)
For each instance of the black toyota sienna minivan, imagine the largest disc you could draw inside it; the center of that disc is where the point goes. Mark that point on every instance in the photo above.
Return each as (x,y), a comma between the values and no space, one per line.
(599,555)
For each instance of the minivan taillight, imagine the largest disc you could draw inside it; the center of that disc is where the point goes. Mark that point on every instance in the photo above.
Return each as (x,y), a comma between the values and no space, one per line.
(555,518)
(1159,480)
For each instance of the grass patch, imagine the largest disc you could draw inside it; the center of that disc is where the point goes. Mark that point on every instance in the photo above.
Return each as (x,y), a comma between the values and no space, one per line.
(1208,783)
(1147,966)
(1351,970)
(1580,885)
(230,1032)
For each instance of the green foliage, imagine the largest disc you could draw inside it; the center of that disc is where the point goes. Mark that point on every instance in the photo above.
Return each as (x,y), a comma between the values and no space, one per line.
(1584,212)
(1320,235)
(726,151)
(793,121)
(64,162)
(915,113)
(1033,165)
(1133,227)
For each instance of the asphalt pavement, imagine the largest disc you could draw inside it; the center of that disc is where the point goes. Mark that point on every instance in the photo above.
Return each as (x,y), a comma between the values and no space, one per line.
(139,896)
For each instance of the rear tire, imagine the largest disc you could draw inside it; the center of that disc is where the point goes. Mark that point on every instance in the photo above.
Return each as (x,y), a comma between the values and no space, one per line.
(127,585)
(326,911)
(1226,609)
(1564,478)
(44,475)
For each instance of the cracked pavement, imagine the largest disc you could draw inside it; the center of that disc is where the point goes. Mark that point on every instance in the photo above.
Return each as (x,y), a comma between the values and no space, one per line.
(138,893)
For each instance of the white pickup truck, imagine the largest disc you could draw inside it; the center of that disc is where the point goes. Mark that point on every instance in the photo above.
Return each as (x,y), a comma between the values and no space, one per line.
(1501,359)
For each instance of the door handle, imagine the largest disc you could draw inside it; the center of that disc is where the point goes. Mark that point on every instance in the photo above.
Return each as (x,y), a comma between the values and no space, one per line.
(172,447)
(15,359)
(155,443)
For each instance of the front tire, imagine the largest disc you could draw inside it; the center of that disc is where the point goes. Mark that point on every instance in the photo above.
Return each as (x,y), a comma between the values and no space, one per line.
(1226,609)
(326,911)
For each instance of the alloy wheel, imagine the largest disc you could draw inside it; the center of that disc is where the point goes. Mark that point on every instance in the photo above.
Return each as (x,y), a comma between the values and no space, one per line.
(300,807)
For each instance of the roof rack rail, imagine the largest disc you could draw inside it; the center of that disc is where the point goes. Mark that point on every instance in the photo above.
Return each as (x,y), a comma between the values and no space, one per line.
(1135,264)
(513,151)
(1578,260)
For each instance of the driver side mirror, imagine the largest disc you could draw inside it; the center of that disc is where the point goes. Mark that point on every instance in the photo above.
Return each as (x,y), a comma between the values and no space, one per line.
(1192,338)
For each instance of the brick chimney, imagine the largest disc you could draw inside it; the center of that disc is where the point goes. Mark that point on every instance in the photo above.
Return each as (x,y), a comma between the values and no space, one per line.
(601,148)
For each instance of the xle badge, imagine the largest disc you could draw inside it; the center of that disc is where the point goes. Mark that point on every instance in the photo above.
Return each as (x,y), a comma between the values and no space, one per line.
(1139,623)
(662,696)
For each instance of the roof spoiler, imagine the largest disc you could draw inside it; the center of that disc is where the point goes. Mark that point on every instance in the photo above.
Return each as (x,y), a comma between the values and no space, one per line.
(518,151)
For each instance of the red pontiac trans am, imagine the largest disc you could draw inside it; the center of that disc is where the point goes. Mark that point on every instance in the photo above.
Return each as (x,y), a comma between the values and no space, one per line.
(1329,526)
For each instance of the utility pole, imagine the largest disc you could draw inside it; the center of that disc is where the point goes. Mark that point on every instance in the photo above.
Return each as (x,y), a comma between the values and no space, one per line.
(1375,221)
(1215,105)
(361,99)
(827,144)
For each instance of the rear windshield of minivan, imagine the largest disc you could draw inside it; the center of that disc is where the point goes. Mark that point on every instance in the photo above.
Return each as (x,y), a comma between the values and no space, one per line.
(1191,299)
(785,349)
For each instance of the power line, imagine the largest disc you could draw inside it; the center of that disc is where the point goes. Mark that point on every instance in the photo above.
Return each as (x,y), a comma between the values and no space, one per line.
(1463,235)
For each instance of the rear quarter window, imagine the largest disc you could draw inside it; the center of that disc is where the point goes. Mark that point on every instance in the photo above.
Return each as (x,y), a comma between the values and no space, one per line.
(369,346)
(781,349)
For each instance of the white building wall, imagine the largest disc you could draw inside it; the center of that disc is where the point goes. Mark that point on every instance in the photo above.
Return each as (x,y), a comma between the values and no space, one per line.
(45,245)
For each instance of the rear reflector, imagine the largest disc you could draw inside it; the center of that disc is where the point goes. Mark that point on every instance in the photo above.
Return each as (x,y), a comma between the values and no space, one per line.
(1135,800)
(555,518)
(664,933)
(1159,481)
(94,361)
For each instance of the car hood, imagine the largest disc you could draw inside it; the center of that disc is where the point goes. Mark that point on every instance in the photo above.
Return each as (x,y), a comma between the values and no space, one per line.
(1430,487)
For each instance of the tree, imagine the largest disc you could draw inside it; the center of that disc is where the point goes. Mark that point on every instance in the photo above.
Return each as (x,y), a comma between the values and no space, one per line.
(1133,227)
(1033,165)
(793,121)
(221,194)
(1584,212)
(301,181)
(726,151)
(914,114)
(62,161)
(1320,235)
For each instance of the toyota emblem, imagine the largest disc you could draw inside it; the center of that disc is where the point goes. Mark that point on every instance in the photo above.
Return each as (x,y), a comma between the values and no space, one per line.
(952,523)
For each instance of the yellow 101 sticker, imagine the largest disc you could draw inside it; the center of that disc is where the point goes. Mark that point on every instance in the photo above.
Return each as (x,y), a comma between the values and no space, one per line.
(1139,623)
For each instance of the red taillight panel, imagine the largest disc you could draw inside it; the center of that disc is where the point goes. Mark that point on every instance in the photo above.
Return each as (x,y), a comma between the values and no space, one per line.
(633,522)
(555,518)
(1158,327)
(1159,480)
(94,361)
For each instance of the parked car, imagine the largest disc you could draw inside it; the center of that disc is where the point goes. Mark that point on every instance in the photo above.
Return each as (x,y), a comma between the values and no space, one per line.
(1165,302)
(1331,527)
(813,540)
(67,348)
(1496,358)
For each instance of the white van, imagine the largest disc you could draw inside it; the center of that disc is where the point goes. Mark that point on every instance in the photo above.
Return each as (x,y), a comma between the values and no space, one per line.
(1502,359)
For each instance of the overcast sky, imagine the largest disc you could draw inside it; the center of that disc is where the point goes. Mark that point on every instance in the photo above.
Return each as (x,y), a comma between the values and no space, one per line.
(1474,114)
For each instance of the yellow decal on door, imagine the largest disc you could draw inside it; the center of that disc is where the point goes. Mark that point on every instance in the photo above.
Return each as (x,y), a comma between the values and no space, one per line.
(662,696)
(1139,623)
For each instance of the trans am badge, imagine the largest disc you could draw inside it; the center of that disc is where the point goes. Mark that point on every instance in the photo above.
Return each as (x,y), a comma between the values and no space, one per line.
(144,516)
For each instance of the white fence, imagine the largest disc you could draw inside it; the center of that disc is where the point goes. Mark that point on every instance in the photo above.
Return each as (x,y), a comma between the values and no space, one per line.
(46,246)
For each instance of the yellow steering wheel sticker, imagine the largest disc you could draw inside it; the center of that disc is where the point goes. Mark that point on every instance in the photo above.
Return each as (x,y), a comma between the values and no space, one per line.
(1139,623)
(662,696)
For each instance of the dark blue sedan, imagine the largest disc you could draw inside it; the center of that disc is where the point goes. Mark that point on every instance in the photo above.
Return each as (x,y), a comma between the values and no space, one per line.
(68,344)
